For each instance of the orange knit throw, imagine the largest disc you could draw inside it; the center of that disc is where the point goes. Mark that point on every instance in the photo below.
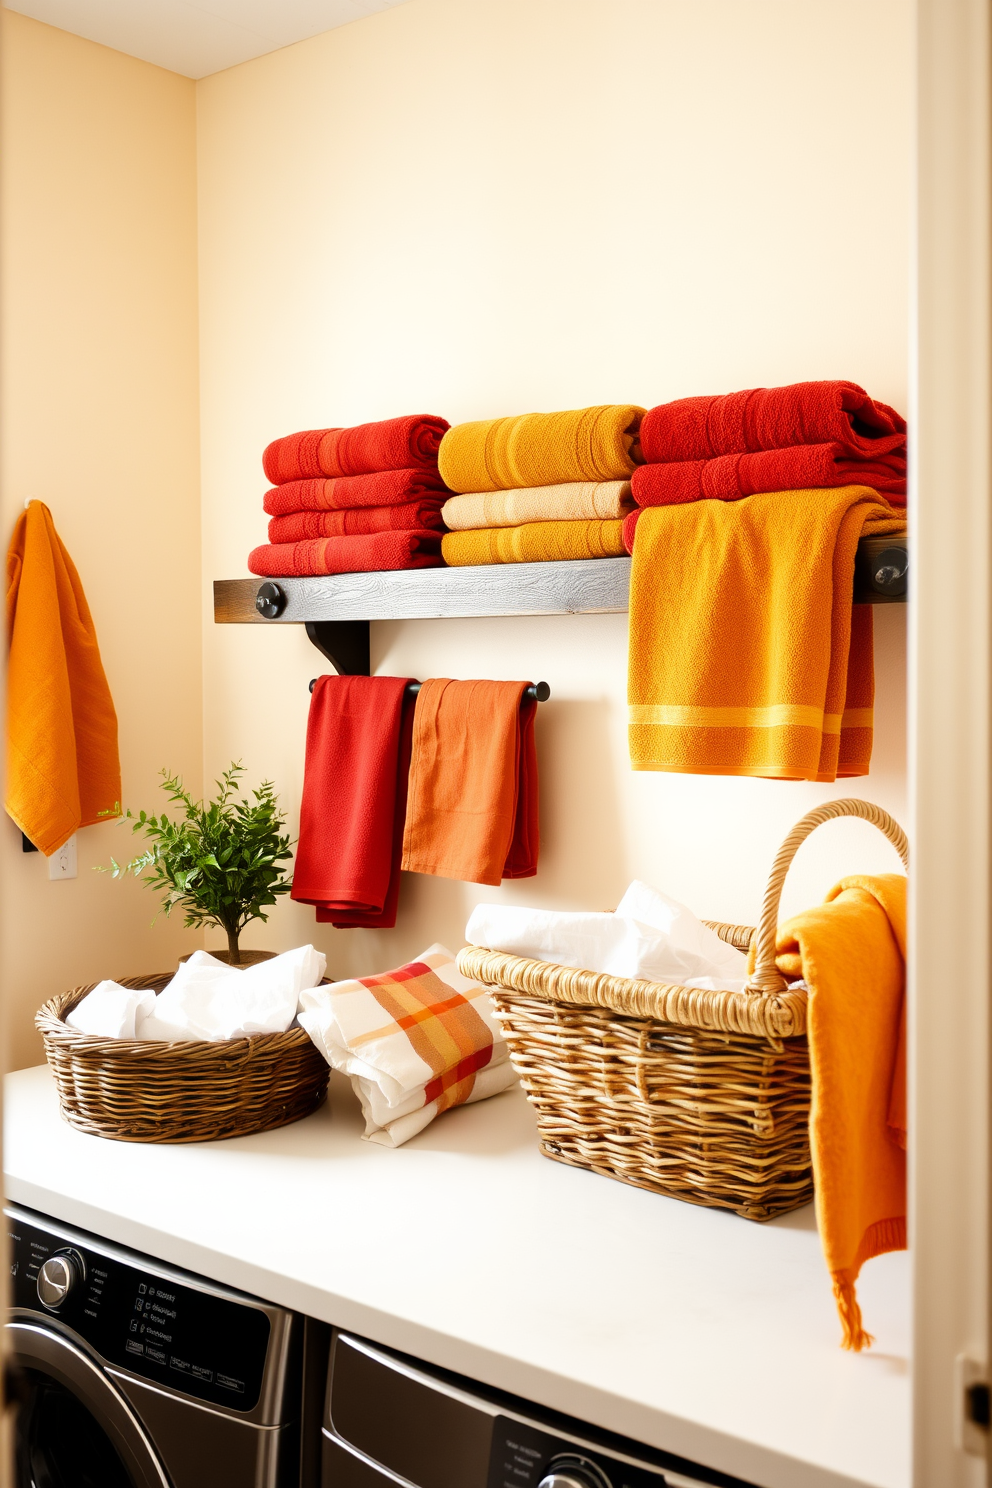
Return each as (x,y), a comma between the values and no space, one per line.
(851,952)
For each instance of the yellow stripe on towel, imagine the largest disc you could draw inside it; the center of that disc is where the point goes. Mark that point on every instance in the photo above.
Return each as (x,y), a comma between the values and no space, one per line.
(574,501)
(542,449)
(778,715)
(536,542)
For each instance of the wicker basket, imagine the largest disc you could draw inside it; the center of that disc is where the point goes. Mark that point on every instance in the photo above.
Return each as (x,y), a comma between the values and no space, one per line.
(178,1092)
(702,1096)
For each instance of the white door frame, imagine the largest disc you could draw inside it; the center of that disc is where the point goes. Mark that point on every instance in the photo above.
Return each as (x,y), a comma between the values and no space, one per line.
(949,726)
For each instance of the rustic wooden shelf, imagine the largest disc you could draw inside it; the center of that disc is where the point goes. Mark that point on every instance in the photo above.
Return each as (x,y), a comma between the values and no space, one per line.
(336,610)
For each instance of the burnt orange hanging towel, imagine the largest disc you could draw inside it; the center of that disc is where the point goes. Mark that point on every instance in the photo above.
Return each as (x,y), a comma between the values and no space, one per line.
(472,804)
(851,952)
(63,769)
(747,655)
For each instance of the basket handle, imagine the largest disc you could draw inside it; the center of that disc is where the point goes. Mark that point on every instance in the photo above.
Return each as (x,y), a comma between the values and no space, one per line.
(766,976)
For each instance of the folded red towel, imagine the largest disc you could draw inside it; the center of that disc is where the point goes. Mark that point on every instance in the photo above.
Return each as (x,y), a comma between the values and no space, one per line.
(804,467)
(629,528)
(372,553)
(838,413)
(354,800)
(392,444)
(382,488)
(420,516)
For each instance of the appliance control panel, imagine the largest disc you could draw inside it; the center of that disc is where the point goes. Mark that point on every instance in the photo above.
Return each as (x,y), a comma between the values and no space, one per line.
(172,1334)
(525,1457)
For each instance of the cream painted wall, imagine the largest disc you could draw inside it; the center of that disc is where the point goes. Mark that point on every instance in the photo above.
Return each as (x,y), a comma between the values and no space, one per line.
(100,421)
(480,207)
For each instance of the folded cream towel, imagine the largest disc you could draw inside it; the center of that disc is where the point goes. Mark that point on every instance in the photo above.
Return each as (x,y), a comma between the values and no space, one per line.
(650,937)
(208,1000)
(415,1042)
(575,501)
(111,1011)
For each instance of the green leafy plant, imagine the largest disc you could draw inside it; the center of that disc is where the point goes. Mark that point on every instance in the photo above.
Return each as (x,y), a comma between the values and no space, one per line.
(220,859)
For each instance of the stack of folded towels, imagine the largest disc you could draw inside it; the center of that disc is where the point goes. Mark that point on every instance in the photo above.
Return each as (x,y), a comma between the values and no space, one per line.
(807,436)
(414,1042)
(354,500)
(747,653)
(539,487)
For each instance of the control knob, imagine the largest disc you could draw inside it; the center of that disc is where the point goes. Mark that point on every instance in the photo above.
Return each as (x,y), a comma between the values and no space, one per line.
(57,1277)
(574,1472)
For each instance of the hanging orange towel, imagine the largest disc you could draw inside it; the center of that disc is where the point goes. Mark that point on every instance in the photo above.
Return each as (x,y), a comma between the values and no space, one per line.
(851,952)
(63,770)
(747,655)
(472,802)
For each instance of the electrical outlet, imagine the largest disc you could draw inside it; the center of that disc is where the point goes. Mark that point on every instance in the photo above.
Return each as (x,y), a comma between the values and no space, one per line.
(62,863)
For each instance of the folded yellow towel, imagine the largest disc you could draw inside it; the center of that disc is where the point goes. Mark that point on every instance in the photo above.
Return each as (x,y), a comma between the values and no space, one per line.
(537,542)
(575,501)
(851,952)
(747,655)
(542,449)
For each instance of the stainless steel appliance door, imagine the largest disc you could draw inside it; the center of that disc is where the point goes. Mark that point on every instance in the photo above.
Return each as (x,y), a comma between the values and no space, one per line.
(73,1427)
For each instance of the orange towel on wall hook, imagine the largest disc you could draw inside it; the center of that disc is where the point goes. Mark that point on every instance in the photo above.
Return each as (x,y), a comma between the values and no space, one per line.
(63,768)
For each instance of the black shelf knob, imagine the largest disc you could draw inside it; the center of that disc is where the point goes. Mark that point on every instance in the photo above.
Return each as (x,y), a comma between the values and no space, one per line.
(270,601)
(889,571)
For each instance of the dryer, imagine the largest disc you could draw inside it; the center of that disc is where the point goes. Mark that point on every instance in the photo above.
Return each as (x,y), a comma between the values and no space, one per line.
(132,1374)
(393,1422)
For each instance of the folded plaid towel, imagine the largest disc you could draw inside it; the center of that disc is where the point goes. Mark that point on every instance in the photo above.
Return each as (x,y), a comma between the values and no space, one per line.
(415,1042)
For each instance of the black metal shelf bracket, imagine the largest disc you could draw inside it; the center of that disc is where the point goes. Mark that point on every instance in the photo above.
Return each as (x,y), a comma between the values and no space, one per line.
(345,643)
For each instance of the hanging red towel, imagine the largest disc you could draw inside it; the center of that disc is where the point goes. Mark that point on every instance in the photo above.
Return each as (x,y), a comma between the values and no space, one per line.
(472,811)
(838,413)
(803,467)
(382,488)
(420,516)
(354,800)
(392,444)
(374,553)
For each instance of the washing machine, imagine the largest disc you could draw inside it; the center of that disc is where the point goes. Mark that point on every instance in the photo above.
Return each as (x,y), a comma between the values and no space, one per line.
(392,1420)
(132,1374)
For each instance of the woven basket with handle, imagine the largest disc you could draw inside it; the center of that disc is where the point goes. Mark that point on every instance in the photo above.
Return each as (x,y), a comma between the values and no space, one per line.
(703,1096)
(140,1091)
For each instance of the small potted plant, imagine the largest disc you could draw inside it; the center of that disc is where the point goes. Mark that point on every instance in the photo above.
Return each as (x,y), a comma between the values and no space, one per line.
(220,860)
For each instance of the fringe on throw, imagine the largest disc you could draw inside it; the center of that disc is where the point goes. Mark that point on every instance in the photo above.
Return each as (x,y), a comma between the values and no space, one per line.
(886,1235)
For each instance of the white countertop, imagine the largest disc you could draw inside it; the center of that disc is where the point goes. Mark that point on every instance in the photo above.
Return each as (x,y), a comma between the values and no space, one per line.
(689,1329)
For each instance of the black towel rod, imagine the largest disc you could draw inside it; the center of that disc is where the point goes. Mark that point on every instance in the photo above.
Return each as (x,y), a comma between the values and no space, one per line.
(538,692)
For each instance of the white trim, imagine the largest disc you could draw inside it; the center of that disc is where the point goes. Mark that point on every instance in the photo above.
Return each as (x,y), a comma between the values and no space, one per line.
(949,724)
